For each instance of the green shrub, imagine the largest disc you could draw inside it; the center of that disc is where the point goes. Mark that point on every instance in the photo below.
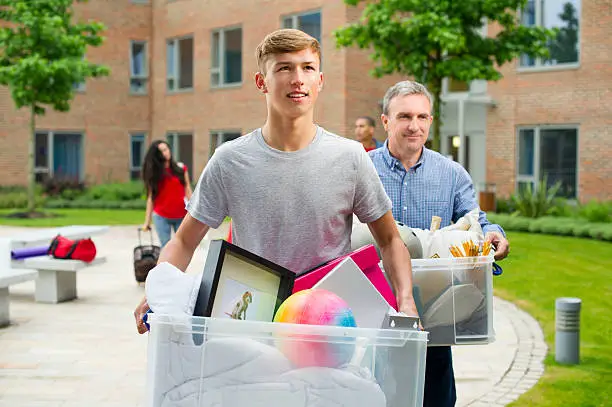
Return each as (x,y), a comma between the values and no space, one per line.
(553,225)
(95,204)
(595,211)
(116,192)
(563,208)
(533,204)
(57,187)
(16,200)
(504,206)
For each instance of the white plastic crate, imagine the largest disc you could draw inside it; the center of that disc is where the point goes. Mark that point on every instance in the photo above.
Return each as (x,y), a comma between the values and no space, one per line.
(454,297)
(227,363)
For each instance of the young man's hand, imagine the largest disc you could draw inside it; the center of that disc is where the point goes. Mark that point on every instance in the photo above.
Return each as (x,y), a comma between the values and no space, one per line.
(139,312)
(407,306)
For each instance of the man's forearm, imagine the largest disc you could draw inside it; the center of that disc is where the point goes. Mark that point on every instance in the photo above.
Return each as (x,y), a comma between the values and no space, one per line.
(396,261)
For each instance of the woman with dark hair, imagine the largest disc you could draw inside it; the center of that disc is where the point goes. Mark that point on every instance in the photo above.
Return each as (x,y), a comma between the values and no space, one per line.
(168,189)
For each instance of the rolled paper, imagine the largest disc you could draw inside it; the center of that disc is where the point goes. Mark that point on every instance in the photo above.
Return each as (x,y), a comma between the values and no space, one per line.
(26,252)
(435,223)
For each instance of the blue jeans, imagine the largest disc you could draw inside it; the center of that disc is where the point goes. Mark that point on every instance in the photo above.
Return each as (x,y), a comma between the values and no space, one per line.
(439,378)
(164,226)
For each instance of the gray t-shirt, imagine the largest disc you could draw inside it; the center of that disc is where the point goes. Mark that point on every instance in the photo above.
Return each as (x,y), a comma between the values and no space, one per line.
(292,208)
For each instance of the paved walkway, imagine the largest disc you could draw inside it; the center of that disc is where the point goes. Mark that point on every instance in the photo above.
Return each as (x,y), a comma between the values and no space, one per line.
(86,352)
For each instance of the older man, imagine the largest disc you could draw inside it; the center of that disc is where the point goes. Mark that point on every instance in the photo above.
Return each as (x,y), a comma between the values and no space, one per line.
(422,183)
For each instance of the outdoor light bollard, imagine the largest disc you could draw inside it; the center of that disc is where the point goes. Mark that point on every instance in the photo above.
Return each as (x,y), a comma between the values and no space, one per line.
(567,330)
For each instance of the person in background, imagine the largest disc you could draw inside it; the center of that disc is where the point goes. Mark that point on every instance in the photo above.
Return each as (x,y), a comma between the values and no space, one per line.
(168,190)
(422,183)
(364,133)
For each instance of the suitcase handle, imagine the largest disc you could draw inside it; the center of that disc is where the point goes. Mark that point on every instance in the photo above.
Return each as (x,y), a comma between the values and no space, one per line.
(150,236)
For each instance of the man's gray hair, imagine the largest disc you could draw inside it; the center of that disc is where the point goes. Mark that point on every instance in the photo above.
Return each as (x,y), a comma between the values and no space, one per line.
(405,88)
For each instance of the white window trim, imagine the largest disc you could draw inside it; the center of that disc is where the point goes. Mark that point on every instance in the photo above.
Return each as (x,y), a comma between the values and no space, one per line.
(538,67)
(132,134)
(50,162)
(535,178)
(219,133)
(145,75)
(294,18)
(174,147)
(177,64)
(220,70)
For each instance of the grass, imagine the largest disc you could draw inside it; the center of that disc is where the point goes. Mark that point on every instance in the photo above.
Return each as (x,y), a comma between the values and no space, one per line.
(68,217)
(542,268)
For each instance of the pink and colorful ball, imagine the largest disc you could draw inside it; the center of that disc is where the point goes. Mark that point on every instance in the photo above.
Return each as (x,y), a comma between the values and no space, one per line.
(316,307)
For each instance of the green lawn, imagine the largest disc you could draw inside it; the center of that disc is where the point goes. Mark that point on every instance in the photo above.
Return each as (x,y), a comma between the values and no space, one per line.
(541,268)
(79,217)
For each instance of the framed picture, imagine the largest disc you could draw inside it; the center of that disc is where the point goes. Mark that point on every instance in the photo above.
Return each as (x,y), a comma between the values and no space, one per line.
(238,284)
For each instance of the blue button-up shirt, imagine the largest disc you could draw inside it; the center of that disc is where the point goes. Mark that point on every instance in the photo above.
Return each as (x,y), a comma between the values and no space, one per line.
(434,186)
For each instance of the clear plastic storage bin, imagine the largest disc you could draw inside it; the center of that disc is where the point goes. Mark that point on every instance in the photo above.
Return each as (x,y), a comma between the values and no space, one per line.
(454,297)
(194,361)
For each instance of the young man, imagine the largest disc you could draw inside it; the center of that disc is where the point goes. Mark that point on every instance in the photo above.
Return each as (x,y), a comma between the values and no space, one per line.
(421,184)
(364,133)
(290,187)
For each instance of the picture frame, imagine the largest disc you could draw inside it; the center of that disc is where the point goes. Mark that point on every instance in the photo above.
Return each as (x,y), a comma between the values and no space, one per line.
(238,284)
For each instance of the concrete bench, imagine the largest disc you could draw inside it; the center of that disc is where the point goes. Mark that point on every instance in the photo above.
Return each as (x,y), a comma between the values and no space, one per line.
(8,278)
(56,280)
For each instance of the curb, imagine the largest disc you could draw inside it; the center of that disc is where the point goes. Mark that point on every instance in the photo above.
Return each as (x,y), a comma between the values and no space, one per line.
(527,365)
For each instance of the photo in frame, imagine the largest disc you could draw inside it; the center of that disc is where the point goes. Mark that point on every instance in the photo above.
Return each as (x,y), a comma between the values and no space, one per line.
(238,284)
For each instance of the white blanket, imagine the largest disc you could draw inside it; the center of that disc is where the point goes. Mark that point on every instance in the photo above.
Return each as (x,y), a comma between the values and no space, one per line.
(229,371)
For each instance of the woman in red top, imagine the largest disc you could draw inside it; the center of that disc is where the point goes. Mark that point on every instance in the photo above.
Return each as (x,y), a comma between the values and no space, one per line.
(168,189)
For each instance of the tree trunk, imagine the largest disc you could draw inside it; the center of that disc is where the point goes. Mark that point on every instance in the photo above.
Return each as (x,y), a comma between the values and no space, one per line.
(31,178)
(435,88)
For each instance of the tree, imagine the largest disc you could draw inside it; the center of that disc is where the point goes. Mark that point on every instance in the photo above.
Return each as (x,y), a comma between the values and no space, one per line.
(564,48)
(43,58)
(430,40)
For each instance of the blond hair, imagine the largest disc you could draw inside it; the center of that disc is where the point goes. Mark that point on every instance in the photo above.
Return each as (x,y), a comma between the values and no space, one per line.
(284,41)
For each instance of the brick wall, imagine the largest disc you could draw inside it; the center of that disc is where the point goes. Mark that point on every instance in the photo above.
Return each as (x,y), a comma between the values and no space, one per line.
(579,96)
(105,112)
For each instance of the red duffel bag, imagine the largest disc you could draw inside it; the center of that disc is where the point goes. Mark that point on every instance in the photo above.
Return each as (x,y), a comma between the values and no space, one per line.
(64,248)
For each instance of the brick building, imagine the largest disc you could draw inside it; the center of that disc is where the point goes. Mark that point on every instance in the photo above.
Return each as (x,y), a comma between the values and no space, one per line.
(183,70)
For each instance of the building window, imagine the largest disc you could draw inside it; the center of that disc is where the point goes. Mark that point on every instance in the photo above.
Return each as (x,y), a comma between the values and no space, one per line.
(226,58)
(139,71)
(58,155)
(564,15)
(549,152)
(309,22)
(219,137)
(79,87)
(181,145)
(179,69)
(137,152)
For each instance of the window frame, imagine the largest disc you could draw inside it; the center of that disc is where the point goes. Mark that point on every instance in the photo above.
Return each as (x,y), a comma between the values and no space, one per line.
(175,148)
(535,178)
(220,70)
(49,169)
(177,64)
(133,135)
(295,25)
(145,75)
(213,134)
(539,67)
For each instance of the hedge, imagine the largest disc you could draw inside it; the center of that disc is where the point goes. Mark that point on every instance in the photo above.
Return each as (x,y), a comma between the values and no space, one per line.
(554,226)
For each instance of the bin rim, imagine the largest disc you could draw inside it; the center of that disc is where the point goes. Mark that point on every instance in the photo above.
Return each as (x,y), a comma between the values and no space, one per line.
(217,327)
(453,261)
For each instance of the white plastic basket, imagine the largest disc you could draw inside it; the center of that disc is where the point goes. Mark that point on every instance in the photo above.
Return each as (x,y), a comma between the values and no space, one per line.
(194,361)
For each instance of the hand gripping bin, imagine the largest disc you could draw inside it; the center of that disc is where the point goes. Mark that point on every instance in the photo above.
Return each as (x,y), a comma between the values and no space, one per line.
(265,364)
(454,297)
